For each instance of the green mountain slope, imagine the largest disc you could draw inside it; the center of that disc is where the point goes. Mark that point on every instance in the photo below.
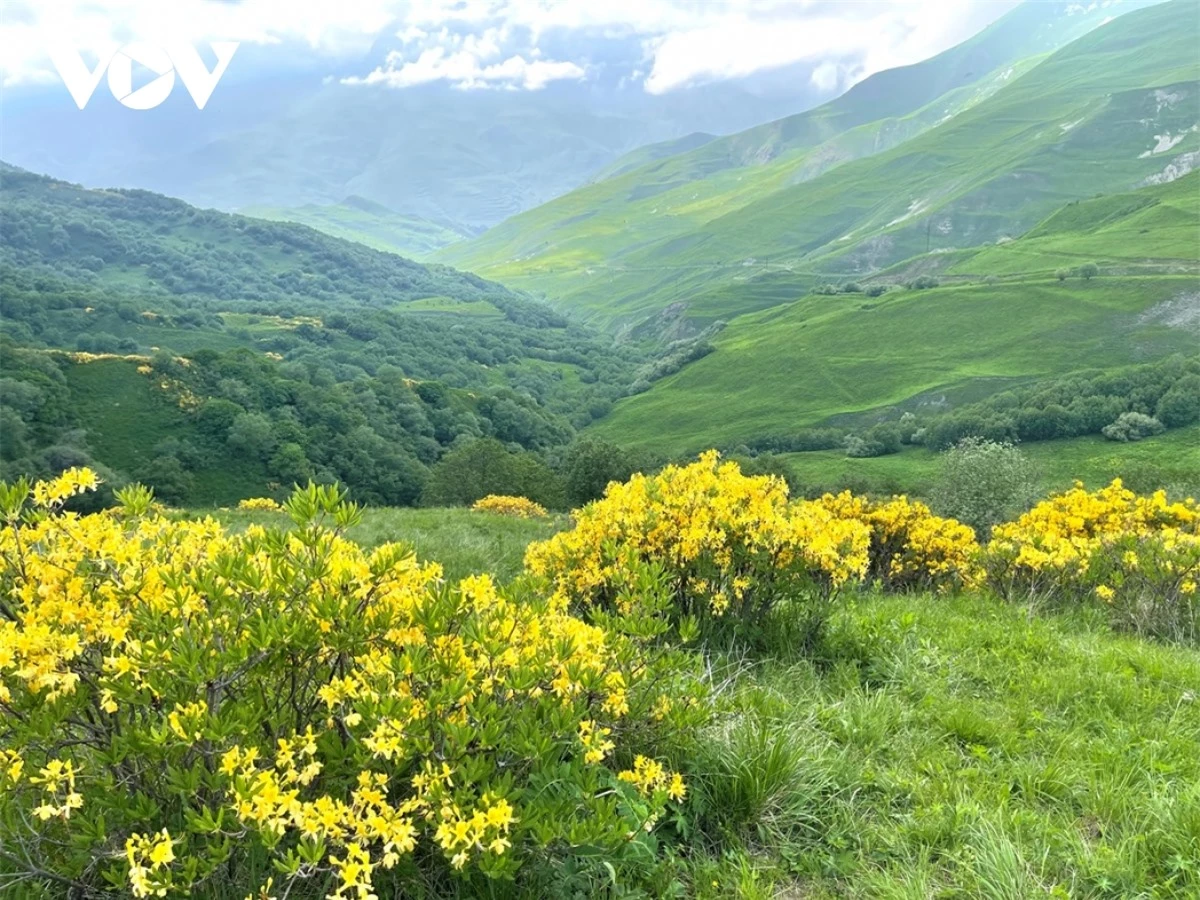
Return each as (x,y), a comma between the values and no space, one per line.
(1155,226)
(143,243)
(215,355)
(624,247)
(824,358)
(372,224)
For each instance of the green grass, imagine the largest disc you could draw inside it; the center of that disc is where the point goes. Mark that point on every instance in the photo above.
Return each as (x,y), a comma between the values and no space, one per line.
(126,415)
(1156,226)
(1172,458)
(465,542)
(781,369)
(476,309)
(957,748)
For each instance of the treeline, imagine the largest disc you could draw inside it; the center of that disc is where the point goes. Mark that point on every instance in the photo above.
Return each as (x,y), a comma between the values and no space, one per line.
(376,434)
(1121,404)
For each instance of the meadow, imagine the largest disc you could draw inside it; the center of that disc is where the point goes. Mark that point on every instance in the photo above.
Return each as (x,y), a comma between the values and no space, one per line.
(830,698)
(1169,458)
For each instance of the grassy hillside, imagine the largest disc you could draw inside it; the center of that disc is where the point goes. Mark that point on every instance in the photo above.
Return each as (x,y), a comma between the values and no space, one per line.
(974,164)
(1156,226)
(139,243)
(822,356)
(1172,459)
(372,224)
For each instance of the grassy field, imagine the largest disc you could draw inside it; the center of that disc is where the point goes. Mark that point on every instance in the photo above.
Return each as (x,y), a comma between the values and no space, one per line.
(463,541)
(1172,458)
(956,748)
(781,369)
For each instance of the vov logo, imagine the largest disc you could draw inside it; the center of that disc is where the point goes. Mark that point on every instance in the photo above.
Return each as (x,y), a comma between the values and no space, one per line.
(164,62)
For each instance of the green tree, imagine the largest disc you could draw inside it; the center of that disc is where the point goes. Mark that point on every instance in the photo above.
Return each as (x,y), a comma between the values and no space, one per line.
(251,433)
(1088,271)
(486,467)
(983,483)
(1180,405)
(590,465)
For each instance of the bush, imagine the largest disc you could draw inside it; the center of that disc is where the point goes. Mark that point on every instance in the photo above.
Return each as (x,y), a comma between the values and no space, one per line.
(1136,556)
(1132,426)
(189,710)
(909,546)
(729,546)
(260,504)
(1062,274)
(517,507)
(1088,271)
(983,483)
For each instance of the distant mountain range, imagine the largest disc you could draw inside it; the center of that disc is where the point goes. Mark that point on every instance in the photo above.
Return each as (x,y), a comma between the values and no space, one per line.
(975,145)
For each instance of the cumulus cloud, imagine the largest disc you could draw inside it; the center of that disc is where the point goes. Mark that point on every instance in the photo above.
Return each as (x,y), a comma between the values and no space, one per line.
(500,43)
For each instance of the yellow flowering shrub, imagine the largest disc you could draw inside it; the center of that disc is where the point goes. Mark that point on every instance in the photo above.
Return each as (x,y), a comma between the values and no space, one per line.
(181,706)
(725,542)
(910,546)
(1138,555)
(518,507)
(263,504)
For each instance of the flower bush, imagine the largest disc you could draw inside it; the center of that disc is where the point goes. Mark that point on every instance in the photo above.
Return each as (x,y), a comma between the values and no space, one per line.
(726,543)
(1138,555)
(265,504)
(190,712)
(517,507)
(910,546)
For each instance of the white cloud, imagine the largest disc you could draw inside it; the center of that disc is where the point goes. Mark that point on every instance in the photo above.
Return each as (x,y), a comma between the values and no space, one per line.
(826,77)
(465,69)
(475,43)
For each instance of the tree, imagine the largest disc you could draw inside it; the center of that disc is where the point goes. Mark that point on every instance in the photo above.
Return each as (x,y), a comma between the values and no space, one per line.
(1088,271)
(290,465)
(171,482)
(1180,405)
(251,433)
(590,465)
(1061,274)
(485,467)
(983,483)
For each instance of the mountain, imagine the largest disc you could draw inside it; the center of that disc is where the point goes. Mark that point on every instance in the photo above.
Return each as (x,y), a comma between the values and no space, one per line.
(463,158)
(845,189)
(143,244)
(215,355)
(372,224)
(1001,316)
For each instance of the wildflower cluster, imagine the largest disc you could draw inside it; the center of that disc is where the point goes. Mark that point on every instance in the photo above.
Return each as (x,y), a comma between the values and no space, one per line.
(1139,555)
(726,542)
(910,546)
(517,507)
(263,504)
(180,705)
